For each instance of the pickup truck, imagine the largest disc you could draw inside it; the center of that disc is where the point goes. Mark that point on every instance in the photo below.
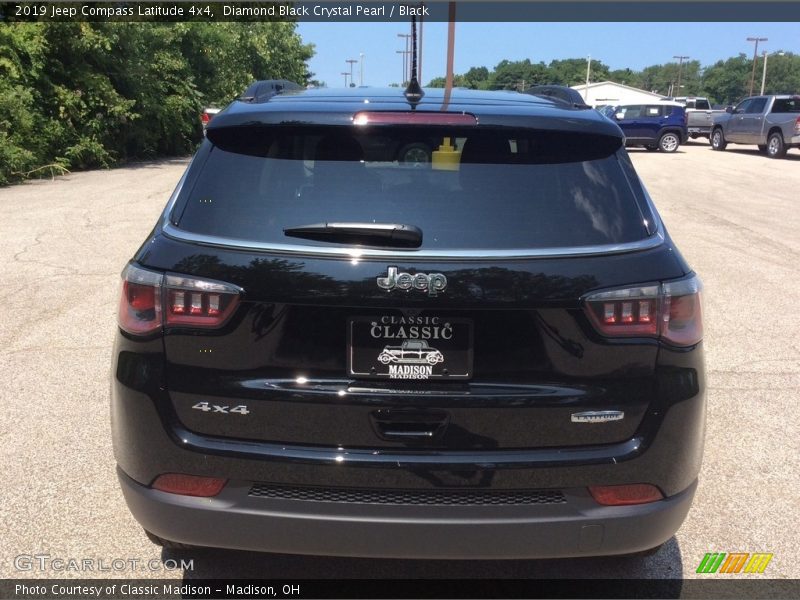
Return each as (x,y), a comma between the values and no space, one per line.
(700,116)
(770,122)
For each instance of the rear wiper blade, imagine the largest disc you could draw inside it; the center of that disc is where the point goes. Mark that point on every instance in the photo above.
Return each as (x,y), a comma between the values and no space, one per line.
(371,234)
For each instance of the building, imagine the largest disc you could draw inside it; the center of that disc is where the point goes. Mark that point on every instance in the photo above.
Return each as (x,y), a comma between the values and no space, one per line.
(608,92)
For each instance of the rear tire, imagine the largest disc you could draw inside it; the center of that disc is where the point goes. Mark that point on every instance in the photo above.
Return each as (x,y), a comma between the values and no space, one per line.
(775,146)
(169,544)
(718,140)
(669,142)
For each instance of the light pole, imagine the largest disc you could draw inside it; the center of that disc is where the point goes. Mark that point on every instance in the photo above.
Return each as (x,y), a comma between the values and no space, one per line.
(406,52)
(764,72)
(755,57)
(405,61)
(680,68)
(351,61)
(361,69)
(345,73)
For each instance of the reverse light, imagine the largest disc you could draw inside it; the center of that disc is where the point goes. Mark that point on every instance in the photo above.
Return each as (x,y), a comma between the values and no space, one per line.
(189,485)
(198,302)
(150,301)
(671,311)
(625,495)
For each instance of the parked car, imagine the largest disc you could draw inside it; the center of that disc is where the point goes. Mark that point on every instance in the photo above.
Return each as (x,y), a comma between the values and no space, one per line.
(770,122)
(250,408)
(699,116)
(657,126)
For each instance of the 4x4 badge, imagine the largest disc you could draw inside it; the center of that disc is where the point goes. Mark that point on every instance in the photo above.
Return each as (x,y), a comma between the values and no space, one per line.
(433,283)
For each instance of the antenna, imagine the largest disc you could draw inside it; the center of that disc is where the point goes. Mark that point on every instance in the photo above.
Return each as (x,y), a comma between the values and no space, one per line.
(414,92)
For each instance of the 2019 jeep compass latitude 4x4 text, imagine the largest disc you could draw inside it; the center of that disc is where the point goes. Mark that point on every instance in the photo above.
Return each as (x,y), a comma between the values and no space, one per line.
(324,350)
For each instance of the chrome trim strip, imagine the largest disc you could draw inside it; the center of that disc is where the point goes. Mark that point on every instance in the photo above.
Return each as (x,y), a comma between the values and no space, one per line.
(174,232)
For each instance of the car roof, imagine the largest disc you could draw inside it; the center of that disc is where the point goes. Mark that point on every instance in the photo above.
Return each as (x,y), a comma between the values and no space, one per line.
(336,106)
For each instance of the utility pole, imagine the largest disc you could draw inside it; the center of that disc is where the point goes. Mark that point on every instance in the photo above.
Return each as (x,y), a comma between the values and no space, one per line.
(588,71)
(345,73)
(405,52)
(361,69)
(680,68)
(351,61)
(755,57)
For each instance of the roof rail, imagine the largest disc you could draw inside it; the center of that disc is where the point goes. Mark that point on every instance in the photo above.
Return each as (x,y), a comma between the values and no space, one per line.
(261,91)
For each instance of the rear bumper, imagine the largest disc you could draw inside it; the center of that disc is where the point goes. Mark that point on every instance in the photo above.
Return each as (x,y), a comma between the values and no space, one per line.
(576,527)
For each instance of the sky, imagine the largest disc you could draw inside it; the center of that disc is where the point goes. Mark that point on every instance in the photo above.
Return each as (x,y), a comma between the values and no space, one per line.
(618,45)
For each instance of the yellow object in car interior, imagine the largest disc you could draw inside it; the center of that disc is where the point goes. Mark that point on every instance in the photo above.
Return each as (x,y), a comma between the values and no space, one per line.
(446,158)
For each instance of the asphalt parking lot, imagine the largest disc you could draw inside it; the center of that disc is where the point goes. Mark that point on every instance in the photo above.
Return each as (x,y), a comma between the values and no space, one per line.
(734,214)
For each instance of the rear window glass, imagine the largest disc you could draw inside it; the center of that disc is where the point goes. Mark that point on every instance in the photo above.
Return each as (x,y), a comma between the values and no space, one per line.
(494,190)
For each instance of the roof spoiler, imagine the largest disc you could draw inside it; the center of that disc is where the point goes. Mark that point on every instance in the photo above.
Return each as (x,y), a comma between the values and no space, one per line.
(261,91)
(559,93)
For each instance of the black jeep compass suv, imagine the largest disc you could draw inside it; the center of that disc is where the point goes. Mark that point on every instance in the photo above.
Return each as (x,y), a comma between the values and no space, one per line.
(494,353)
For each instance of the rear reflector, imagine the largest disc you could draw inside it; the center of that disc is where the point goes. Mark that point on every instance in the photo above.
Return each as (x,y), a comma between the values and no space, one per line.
(413,118)
(671,311)
(624,495)
(187,301)
(189,485)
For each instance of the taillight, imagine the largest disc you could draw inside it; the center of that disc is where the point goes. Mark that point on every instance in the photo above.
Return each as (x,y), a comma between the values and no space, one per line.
(150,301)
(198,302)
(205,118)
(189,485)
(797,126)
(671,311)
(140,301)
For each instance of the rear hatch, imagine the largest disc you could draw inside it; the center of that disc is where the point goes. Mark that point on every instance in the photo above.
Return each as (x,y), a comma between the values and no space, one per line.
(373,297)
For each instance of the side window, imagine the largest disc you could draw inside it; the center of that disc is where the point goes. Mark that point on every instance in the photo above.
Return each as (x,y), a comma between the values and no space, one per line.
(653,111)
(786,105)
(633,112)
(691,104)
(668,110)
(702,105)
(742,106)
(756,106)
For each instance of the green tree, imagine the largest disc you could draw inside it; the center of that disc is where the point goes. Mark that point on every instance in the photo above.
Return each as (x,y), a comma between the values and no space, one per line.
(572,71)
(727,81)
(514,75)
(79,95)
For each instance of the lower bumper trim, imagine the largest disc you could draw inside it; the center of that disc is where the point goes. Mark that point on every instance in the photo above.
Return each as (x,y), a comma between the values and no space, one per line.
(236,520)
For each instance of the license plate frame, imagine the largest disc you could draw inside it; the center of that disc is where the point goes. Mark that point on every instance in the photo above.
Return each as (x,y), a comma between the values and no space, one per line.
(391,347)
